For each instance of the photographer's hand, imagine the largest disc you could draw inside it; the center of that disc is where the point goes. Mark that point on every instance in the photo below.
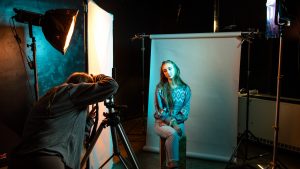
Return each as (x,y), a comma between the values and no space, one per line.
(92,114)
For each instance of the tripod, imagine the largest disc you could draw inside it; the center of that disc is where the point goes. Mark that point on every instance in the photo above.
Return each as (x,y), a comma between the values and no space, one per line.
(247,134)
(112,119)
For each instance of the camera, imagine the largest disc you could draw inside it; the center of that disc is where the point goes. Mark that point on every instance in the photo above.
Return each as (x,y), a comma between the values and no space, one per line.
(109,102)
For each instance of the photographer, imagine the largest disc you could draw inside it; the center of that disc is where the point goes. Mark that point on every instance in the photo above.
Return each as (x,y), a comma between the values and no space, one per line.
(54,132)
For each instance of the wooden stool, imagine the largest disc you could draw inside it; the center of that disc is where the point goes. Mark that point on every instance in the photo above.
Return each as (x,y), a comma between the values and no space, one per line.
(182,153)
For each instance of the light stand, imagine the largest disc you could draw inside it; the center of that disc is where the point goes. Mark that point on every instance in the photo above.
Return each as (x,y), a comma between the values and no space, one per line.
(282,21)
(112,120)
(85,34)
(32,64)
(275,162)
(276,125)
(247,133)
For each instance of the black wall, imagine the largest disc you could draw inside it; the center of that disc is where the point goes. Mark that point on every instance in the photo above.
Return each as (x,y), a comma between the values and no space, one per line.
(17,80)
(162,17)
(132,17)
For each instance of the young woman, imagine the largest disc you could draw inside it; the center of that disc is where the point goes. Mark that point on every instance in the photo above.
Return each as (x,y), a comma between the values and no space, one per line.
(172,104)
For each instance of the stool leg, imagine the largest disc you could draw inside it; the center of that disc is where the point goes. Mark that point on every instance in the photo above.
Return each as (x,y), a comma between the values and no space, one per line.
(162,153)
(182,153)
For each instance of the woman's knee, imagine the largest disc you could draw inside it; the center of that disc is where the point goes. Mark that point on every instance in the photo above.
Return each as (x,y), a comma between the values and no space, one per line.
(174,135)
(165,131)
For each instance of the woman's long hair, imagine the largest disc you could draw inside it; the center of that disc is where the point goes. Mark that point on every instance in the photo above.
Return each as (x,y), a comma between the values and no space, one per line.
(164,84)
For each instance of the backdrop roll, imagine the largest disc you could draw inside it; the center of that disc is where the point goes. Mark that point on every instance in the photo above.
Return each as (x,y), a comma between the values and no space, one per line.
(210,64)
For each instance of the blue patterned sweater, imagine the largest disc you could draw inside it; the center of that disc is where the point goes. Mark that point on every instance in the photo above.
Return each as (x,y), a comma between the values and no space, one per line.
(181,96)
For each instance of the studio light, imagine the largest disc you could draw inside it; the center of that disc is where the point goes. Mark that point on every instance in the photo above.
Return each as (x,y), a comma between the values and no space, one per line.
(57,25)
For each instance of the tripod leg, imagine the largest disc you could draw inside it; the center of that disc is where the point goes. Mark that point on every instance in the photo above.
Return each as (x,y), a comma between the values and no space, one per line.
(127,145)
(116,149)
(120,157)
(106,161)
(92,144)
(123,161)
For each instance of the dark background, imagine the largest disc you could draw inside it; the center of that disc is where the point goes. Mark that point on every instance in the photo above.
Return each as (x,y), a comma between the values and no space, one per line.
(133,17)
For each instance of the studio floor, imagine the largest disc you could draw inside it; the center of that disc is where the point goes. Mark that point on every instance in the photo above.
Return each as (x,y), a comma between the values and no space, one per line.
(257,156)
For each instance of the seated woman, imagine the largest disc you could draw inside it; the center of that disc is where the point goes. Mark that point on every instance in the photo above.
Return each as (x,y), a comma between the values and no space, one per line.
(172,104)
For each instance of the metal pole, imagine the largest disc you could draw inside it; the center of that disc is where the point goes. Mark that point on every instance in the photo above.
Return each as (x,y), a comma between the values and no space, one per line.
(216,16)
(85,34)
(143,74)
(276,125)
(33,49)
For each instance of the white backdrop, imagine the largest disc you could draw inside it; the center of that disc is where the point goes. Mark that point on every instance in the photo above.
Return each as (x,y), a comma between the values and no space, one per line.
(210,64)
(100,60)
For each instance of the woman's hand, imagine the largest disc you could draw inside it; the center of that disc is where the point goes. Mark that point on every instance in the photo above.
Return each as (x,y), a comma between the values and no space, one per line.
(161,123)
(173,123)
(161,111)
(178,129)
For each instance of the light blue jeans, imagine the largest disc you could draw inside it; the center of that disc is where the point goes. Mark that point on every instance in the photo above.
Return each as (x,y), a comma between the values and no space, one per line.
(172,139)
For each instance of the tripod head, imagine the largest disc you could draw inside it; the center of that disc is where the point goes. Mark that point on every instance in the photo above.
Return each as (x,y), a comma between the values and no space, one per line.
(109,103)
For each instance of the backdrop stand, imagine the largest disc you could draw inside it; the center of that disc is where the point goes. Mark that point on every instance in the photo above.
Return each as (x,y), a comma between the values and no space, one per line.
(247,134)
(142,37)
